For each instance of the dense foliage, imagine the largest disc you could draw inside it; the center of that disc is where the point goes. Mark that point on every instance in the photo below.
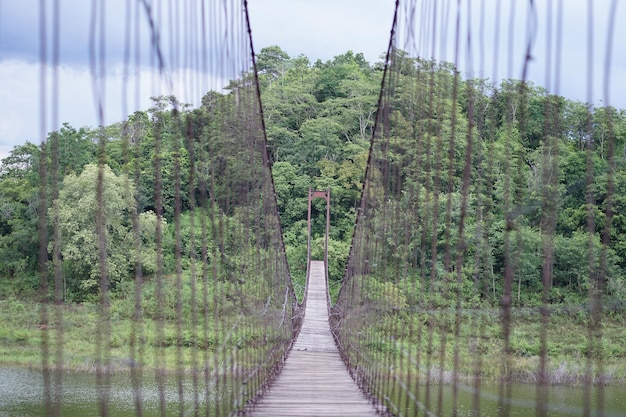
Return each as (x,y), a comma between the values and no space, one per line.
(319,119)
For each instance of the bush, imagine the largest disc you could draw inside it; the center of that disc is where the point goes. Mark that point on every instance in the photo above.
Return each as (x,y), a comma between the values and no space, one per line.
(522,345)
(14,336)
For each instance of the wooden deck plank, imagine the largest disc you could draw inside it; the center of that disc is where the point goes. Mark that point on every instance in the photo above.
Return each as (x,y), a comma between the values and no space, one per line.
(314,380)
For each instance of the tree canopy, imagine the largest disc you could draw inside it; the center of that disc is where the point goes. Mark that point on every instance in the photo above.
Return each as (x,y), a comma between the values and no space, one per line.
(319,120)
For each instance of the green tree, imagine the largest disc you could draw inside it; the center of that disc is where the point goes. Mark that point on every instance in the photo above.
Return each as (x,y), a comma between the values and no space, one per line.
(77,207)
(19,184)
(74,148)
(272,61)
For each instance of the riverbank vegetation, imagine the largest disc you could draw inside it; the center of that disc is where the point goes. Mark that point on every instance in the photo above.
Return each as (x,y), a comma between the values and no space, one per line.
(319,119)
(157,342)
(21,338)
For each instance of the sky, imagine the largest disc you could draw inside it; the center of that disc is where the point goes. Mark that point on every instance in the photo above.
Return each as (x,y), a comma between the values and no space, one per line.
(319,29)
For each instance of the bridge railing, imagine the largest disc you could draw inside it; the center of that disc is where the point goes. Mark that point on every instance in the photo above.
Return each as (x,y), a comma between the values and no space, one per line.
(181,249)
(461,274)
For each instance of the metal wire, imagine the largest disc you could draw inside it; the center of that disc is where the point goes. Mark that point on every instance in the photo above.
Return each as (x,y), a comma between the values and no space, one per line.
(211,301)
(426,270)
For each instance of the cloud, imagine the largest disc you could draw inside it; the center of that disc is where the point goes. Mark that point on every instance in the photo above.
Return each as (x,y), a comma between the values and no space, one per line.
(21,63)
(21,107)
(323,29)
(507,27)
(116,31)
(21,31)
(319,29)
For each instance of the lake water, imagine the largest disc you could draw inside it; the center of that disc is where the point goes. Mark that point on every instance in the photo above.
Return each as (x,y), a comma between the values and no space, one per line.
(562,401)
(21,394)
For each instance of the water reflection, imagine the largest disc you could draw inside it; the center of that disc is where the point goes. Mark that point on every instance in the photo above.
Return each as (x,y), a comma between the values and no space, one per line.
(22,390)
(493,400)
(22,394)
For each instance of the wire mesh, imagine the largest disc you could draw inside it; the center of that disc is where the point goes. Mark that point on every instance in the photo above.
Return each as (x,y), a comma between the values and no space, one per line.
(488,228)
(180,250)
(460,274)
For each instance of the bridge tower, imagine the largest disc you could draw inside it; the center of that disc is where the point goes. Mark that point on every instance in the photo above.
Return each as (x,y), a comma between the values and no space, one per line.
(325,194)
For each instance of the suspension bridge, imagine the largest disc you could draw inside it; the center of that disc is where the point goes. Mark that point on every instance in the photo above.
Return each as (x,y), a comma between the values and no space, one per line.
(458,214)
(314,380)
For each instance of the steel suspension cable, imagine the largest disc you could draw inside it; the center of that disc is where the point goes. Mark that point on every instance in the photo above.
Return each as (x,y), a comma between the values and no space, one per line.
(206,293)
(460,220)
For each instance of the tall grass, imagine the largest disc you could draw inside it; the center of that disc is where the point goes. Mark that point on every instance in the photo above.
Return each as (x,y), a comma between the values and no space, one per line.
(21,335)
(481,352)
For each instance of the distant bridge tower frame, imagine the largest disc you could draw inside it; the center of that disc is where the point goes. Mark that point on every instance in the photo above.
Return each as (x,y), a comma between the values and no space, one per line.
(325,194)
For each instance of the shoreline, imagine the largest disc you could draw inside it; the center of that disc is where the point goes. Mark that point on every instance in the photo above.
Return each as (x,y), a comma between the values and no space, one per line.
(557,376)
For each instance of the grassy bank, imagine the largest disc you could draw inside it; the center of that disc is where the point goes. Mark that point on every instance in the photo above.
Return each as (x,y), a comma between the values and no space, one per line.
(22,337)
(426,344)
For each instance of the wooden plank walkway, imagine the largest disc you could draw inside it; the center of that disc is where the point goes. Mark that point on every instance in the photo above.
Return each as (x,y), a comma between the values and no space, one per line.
(314,380)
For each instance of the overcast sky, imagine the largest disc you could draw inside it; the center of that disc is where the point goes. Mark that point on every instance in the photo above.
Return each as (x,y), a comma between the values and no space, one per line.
(319,29)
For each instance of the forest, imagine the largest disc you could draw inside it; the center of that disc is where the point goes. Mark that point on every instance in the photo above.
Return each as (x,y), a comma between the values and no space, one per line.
(319,119)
